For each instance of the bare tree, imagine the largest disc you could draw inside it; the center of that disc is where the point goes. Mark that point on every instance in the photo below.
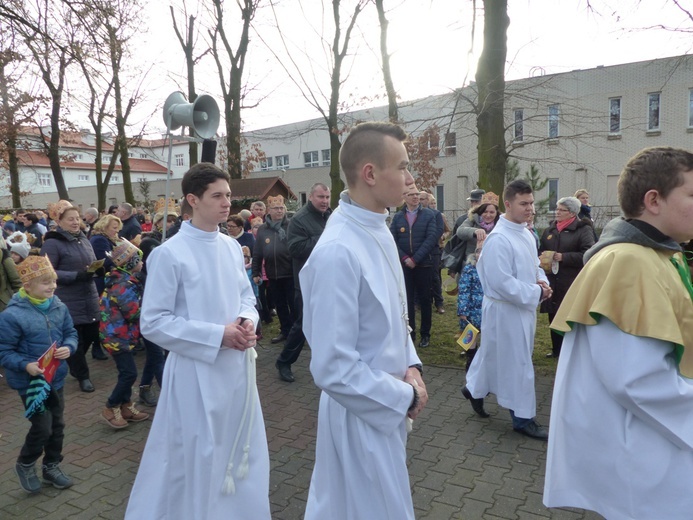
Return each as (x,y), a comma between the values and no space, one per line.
(490,78)
(385,56)
(231,80)
(186,39)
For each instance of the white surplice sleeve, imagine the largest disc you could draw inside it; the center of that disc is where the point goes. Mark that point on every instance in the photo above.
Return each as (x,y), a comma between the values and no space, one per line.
(641,375)
(159,322)
(331,282)
(495,268)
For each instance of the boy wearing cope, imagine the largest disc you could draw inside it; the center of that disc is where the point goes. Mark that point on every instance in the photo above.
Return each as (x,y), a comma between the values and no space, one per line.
(621,420)
(363,359)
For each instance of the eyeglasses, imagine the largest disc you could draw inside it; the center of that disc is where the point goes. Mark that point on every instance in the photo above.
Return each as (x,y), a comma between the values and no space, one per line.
(562,210)
(228,224)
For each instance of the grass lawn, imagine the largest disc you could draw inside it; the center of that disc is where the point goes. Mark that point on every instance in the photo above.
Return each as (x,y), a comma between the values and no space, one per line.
(444,350)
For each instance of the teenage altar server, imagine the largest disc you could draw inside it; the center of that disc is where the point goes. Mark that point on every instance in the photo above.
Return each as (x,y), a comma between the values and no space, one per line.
(206,455)
(514,285)
(622,412)
(355,319)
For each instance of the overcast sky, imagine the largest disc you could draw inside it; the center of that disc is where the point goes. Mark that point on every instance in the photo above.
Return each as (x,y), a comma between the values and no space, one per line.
(431,46)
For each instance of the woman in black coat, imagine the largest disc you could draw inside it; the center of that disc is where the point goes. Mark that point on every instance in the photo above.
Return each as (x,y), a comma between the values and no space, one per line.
(71,253)
(569,237)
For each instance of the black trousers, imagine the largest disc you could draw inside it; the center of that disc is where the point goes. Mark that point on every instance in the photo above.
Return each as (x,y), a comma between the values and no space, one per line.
(46,433)
(418,281)
(283,295)
(295,340)
(556,339)
(437,283)
(87,333)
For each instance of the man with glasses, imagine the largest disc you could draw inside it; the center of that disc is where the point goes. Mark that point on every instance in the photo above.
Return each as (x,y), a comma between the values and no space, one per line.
(271,245)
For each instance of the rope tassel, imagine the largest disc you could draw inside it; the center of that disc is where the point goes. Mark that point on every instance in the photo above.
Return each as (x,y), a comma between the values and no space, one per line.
(229,486)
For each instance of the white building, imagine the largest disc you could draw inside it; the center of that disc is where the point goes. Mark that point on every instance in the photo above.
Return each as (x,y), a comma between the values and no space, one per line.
(579,128)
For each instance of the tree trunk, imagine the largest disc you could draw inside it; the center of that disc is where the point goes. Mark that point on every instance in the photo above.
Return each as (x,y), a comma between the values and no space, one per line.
(490,78)
(392,108)
(54,146)
(233,125)
(10,139)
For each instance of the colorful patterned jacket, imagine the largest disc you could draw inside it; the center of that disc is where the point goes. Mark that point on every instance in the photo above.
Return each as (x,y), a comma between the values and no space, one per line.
(120,311)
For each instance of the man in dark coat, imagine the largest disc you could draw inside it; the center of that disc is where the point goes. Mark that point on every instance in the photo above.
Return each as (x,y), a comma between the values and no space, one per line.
(131,226)
(305,229)
(416,234)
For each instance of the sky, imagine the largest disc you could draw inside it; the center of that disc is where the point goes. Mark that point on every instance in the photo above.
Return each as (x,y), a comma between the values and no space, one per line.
(431,46)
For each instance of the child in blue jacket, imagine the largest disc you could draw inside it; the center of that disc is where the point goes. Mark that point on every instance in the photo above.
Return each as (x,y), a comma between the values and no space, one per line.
(33,321)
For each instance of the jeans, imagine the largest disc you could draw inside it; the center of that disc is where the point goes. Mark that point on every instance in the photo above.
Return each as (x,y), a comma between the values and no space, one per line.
(519,422)
(154,363)
(127,375)
(46,433)
(87,333)
(437,282)
(295,340)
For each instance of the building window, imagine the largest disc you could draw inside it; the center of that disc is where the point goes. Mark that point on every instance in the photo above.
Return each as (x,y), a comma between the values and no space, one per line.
(440,197)
(451,143)
(79,157)
(106,159)
(326,155)
(143,156)
(83,178)
(653,111)
(553,194)
(180,159)
(519,125)
(434,141)
(115,178)
(282,162)
(553,121)
(44,179)
(142,179)
(310,159)
(615,115)
(266,164)
(303,198)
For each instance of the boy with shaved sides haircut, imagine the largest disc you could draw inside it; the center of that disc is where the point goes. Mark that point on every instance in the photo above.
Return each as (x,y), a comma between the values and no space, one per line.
(355,319)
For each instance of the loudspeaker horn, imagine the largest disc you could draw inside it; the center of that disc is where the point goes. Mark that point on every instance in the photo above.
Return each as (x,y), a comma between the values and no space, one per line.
(202,115)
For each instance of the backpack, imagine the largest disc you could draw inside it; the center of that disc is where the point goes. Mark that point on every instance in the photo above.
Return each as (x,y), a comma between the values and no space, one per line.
(453,256)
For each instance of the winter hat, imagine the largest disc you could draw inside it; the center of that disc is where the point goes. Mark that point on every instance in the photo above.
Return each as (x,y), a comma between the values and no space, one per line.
(126,255)
(56,210)
(34,267)
(19,244)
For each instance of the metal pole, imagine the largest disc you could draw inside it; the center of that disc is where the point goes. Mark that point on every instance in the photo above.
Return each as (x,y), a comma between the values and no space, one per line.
(168,175)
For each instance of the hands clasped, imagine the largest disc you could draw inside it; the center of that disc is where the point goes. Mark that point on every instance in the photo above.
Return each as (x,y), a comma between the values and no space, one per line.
(239,335)
(546,291)
(413,377)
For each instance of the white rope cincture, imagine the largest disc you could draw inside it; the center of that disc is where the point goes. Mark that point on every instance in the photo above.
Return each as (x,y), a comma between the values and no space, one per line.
(229,486)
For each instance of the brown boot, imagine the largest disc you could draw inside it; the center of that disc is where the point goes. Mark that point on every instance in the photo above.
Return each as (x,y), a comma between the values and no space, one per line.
(114,418)
(132,414)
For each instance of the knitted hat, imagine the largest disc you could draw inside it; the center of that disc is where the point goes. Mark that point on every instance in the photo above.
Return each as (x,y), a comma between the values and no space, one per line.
(34,267)
(56,210)
(125,255)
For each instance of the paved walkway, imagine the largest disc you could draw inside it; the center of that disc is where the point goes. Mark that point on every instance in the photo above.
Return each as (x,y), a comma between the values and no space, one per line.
(461,466)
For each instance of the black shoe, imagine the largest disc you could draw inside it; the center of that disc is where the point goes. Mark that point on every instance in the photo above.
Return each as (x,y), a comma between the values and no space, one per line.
(278,339)
(86,386)
(534,430)
(285,373)
(425,341)
(477,404)
(99,356)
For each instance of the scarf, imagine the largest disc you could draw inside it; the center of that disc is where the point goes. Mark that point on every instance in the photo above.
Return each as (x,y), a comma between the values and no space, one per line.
(564,224)
(586,210)
(42,304)
(276,227)
(488,227)
(36,396)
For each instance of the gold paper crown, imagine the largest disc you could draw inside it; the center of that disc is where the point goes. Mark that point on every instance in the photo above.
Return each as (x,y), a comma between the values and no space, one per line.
(33,267)
(56,210)
(123,252)
(160,205)
(279,200)
(489,198)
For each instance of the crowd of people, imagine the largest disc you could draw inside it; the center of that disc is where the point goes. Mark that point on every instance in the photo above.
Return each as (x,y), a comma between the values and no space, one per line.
(192,284)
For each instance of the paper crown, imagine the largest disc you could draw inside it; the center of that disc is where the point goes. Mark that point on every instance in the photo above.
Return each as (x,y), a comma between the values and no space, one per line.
(57,209)
(160,205)
(489,198)
(275,201)
(123,252)
(33,267)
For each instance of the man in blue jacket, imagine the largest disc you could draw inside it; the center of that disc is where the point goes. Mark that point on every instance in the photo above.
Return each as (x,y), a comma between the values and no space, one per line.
(416,234)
